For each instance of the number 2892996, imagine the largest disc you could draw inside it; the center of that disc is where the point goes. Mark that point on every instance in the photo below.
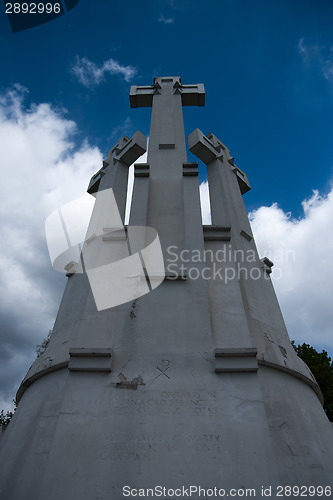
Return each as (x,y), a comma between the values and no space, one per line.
(33,8)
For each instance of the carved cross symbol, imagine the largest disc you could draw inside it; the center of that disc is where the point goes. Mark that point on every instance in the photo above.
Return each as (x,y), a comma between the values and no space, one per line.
(165,367)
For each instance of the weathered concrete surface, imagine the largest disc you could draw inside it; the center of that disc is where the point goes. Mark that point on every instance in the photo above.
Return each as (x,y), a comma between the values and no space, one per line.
(204,388)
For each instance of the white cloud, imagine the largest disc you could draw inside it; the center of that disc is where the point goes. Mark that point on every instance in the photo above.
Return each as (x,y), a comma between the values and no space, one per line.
(41,169)
(166,20)
(303,274)
(301,250)
(314,55)
(122,129)
(90,74)
(308,52)
(301,47)
(142,159)
(205,203)
(328,67)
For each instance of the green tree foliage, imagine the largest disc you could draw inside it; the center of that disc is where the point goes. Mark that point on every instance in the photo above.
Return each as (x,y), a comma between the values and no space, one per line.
(5,418)
(321,366)
(40,349)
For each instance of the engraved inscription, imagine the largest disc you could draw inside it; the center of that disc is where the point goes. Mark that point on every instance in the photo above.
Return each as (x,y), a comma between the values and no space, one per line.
(167,403)
(143,446)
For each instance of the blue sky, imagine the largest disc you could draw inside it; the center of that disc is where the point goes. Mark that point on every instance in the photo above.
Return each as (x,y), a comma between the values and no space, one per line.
(269,101)
(267,67)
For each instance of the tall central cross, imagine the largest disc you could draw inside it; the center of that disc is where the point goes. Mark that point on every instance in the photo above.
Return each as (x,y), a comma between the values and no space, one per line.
(166,154)
(167,96)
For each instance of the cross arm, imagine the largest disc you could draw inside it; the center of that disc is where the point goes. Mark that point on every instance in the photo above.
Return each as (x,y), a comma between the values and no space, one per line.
(209,148)
(126,150)
(205,149)
(192,95)
(141,97)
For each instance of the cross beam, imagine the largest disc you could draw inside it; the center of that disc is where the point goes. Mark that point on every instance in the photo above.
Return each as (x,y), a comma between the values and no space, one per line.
(192,95)
(209,148)
(126,151)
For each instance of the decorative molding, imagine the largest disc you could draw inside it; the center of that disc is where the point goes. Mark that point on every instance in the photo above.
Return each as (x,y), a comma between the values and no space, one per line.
(243,181)
(191,168)
(176,275)
(28,381)
(245,235)
(217,233)
(234,360)
(267,265)
(295,374)
(90,359)
(71,268)
(114,234)
(141,169)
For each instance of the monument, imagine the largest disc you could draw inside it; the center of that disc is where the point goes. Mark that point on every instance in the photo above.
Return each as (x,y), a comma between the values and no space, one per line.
(189,383)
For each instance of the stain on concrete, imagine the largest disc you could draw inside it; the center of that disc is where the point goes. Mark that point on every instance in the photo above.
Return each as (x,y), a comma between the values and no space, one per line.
(126,384)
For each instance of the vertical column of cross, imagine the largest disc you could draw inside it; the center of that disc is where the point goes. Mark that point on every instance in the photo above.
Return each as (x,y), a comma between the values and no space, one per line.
(164,207)
(109,186)
(166,155)
(229,322)
(243,300)
(114,173)
(106,241)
